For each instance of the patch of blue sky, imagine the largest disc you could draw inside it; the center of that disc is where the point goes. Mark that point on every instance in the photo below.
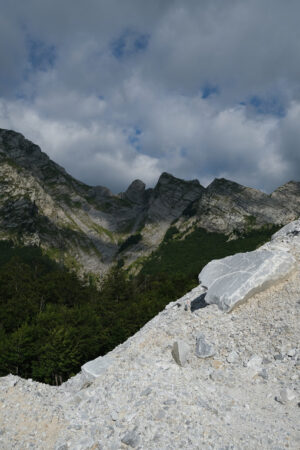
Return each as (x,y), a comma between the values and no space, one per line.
(134,139)
(268,106)
(41,56)
(208,90)
(183,152)
(129,43)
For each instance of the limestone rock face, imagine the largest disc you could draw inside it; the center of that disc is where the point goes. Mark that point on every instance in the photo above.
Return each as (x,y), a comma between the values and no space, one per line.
(226,206)
(289,195)
(232,280)
(171,196)
(84,226)
(136,192)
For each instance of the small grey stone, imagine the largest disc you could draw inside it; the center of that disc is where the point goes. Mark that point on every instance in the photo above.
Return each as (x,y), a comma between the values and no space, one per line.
(266,361)
(170,401)
(278,357)
(263,374)
(255,363)
(285,395)
(146,392)
(291,352)
(203,348)
(180,352)
(232,357)
(131,439)
(114,416)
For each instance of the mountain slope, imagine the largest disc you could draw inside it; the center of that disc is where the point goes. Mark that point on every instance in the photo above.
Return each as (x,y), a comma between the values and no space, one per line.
(89,228)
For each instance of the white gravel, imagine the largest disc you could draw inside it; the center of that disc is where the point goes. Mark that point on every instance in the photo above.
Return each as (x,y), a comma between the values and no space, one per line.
(246,396)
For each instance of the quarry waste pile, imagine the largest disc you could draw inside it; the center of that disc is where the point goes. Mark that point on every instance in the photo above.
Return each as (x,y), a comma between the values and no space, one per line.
(216,369)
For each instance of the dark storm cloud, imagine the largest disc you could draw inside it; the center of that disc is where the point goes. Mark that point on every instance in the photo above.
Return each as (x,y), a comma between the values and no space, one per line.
(119,90)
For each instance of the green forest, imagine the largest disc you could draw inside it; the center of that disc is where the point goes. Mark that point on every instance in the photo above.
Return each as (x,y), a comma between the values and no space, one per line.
(52,322)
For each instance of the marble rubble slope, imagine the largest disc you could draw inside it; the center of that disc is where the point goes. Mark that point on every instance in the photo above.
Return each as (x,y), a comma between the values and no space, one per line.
(193,377)
(89,228)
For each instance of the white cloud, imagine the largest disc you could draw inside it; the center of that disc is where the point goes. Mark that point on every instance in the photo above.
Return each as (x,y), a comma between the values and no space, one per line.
(109,118)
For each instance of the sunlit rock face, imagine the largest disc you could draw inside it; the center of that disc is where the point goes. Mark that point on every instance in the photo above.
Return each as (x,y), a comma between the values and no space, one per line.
(85,226)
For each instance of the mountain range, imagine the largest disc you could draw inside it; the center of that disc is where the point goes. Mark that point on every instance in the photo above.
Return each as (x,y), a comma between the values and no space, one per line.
(89,228)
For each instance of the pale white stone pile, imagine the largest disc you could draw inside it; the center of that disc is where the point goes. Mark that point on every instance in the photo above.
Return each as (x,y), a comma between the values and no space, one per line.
(192,378)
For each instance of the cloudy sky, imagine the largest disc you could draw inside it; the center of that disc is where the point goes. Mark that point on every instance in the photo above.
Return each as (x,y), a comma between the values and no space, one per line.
(115,90)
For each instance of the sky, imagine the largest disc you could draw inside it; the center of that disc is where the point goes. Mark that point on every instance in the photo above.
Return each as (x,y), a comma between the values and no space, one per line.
(117,90)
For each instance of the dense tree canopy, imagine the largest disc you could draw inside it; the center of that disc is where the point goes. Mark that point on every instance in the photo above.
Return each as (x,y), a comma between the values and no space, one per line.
(51,322)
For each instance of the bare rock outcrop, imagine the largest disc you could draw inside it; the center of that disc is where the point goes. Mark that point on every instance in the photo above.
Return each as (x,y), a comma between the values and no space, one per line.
(86,226)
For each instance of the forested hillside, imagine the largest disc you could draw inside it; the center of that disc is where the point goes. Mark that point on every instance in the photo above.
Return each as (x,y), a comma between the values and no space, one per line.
(51,322)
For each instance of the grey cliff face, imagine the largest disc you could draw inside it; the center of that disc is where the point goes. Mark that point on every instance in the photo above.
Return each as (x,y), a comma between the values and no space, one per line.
(42,204)
(136,192)
(171,196)
(288,194)
(226,206)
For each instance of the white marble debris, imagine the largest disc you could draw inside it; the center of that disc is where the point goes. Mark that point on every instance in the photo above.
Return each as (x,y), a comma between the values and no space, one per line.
(96,367)
(232,357)
(285,395)
(138,397)
(180,352)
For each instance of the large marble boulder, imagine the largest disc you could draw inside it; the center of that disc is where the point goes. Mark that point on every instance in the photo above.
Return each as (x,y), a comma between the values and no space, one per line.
(232,280)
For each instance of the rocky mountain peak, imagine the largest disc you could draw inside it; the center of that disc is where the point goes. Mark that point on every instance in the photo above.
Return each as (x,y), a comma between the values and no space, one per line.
(91,222)
(171,196)
(29,156)
(135,192)
(222,185)
(15,146)
(289,195)
(291,187)
(169,179)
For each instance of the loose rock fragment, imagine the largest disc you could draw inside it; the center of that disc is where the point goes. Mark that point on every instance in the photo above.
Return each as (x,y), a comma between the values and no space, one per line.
(146,392)
(232,357)
(131,439)
(285,395)
(255,363)
(263,374)
(203,348)
(180,352)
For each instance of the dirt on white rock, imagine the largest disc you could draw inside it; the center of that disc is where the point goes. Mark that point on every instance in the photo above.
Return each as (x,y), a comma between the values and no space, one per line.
(244,396)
